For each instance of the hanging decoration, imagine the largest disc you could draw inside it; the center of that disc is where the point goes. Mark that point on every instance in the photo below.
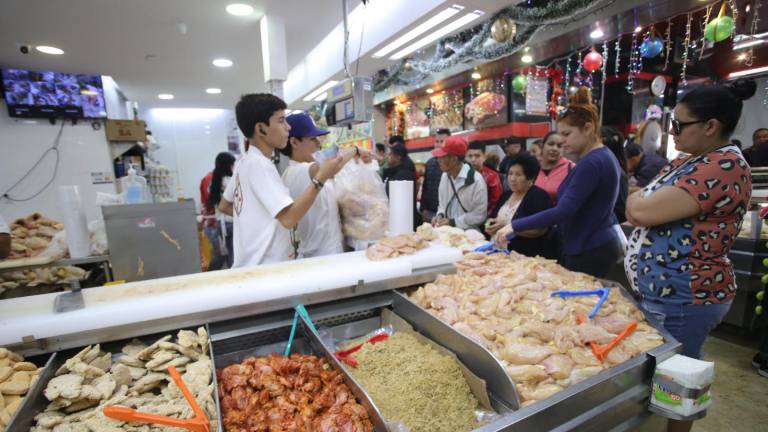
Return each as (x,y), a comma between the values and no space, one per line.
(668,43)
(765,96)
(617,50)
(753,29)
(470,45)
(720,28)
(634,58)
(407,66)
(651,46)
(556,75)
(537,85)
(519,83)
(686,48)
(604,67)
(503,29)
(707,14)
(592,61)
(567,81)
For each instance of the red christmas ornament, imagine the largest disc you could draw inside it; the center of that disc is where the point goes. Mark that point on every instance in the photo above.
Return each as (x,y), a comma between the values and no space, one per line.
(592,61)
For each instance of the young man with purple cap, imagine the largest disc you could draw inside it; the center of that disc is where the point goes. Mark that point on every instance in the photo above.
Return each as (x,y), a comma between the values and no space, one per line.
(264,211)
(462,195)
(319,231)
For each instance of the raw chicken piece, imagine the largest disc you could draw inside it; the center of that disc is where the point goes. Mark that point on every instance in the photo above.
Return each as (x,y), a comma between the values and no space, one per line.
(541,331)
(527,372)
(447,309)
(613,323)
(466,330)
(566,338)
(645,341)
(584,357)
(526,354)
(592,333)
(617,355)
(542,391)
(558,366)
(580,374)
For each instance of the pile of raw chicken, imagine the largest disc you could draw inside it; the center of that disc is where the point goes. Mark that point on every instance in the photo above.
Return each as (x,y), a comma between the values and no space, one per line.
(137,378)
(393,247)
(296,393)
(31,235)
(16,378)
(505,303)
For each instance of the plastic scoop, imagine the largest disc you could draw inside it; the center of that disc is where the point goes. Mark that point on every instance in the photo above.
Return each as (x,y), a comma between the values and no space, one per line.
(602,292)
(490,248)
(300,310)
(601,351)
(346,355)
(198,423)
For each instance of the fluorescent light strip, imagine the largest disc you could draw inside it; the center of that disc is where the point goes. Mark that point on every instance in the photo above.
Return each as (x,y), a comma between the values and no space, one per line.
(748,72)
(748,44)
(320,90)
(418,30)
(449,28)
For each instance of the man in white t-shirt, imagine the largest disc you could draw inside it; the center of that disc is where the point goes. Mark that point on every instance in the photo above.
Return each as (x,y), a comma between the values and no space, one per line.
(5,239)
(262,207)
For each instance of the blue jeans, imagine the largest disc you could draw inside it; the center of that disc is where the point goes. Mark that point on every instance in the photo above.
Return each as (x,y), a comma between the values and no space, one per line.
(689,324)
(214,236)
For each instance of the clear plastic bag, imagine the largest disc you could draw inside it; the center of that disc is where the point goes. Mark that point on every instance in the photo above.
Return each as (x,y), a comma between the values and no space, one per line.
(363,202)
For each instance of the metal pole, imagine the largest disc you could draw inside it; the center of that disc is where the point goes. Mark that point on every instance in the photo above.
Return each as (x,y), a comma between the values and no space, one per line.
(346,38)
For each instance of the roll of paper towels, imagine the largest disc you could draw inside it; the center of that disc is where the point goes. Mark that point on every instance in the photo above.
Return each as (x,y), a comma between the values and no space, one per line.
(400,207)
(75,224)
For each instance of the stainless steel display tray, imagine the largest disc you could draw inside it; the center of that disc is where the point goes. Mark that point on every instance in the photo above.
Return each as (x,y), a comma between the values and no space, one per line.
(236,348)
(36,402)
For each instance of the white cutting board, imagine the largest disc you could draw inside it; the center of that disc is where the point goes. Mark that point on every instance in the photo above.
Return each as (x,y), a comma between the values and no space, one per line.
(168,297)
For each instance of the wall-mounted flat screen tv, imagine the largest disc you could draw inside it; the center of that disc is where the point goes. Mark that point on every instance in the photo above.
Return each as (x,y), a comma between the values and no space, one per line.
(53,94)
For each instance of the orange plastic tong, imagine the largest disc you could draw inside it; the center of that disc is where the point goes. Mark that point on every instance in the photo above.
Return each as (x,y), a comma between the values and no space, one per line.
(198,423)
(601,351)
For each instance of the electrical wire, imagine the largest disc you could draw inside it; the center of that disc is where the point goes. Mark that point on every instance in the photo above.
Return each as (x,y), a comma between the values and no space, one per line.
(362,35)
(53,149)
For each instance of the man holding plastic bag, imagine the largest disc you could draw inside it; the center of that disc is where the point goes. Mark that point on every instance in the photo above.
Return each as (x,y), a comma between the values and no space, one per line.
(462,195)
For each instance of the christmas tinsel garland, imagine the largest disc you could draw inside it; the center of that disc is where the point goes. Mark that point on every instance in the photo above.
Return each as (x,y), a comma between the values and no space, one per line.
(454,50)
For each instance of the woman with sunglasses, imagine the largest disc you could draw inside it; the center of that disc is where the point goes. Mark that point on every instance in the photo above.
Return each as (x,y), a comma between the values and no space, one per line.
(688,217)
(585,199)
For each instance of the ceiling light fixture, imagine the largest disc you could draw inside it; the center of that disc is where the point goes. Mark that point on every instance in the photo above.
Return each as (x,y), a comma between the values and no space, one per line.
(597,33)
(476,75)
(741,57)
(165,96)
(418,30)
(222,63)
(430,91)
(526,58)
(638,29)
(748,8)
(320,93)
(447,29)
(746,72)
(49,50)
(213,90)
(239,9)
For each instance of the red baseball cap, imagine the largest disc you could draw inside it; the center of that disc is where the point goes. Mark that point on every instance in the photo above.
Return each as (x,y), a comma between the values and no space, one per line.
(453,145)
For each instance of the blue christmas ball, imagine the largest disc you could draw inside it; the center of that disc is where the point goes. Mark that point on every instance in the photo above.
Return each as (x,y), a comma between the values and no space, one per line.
(651,47)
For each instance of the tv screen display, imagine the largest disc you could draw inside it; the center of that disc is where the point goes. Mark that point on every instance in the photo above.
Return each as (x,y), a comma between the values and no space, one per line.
(53,94)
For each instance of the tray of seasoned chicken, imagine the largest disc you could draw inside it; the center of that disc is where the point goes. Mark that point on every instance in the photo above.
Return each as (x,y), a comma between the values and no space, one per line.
(551,329)
(264,388)
(79,386)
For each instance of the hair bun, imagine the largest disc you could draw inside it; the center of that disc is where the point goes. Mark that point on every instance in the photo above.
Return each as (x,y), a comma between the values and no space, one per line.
(583,96)
(743,88)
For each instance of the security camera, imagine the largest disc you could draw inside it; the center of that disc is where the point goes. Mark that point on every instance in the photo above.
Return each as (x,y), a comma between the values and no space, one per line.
(24,49)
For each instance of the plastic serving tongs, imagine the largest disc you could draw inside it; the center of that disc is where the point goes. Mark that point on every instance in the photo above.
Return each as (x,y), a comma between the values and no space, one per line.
(602,292)
(300,310)
(198,423)
(346,355)
(601,351)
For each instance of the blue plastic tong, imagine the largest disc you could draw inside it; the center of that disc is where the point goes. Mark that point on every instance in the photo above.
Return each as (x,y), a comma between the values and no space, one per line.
(602,292)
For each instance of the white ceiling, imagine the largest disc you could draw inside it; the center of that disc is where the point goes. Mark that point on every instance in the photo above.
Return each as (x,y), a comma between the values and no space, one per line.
(138,42)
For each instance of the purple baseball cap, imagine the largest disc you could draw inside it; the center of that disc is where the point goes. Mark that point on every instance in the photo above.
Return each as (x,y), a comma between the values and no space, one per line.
(303,126)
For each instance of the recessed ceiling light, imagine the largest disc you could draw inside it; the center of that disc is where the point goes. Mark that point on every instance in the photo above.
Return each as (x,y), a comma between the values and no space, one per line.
(239,9)
(165,96)
(527,58)
(49,50)
(597,33)
(476,75)
(320,92)
(222,63)
(430,91)
(638,29)
(418,30)
(437,34)
(213,90)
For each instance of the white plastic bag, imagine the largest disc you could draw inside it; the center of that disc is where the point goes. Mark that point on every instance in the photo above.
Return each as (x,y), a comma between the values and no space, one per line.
(363,202)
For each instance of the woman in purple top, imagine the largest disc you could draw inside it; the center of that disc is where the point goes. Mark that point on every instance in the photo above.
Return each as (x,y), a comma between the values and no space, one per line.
(586,198)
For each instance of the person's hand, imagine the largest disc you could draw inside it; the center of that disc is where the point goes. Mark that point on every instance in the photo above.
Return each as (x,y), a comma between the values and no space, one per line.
(501,236)
(331,167)
(493,225)
(439,221)
(364,155)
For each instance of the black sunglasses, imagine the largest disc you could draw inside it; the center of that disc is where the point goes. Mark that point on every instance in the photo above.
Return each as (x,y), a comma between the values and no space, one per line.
(677,126)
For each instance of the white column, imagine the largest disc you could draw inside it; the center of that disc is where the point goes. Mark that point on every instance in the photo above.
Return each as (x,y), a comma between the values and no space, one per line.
(273,52)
